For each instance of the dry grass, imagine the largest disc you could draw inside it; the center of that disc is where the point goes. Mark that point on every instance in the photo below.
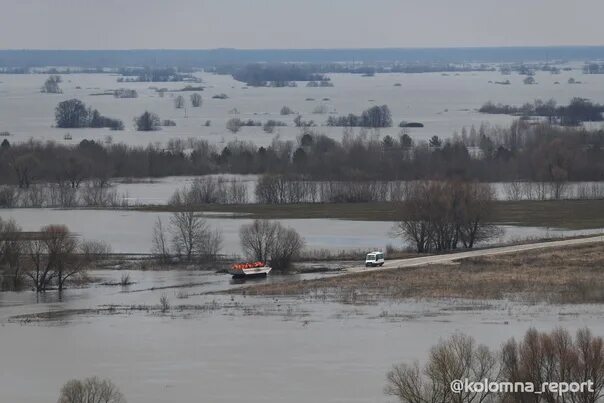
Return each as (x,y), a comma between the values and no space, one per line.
(565,275)
(571,214)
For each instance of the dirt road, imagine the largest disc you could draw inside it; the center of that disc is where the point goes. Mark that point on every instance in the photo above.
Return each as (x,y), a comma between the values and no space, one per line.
(419,261)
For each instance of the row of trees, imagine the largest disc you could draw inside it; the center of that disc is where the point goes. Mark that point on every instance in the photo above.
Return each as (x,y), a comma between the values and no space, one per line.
(554,357)
(538,153)
(211,190)
(376,116)
(195,98)
(262,75)
(93,193)
(440,216)
(579,110)
(188,237)
(48,258)
(283,189)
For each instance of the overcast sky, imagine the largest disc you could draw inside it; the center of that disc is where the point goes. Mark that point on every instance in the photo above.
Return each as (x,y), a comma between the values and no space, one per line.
(252,24)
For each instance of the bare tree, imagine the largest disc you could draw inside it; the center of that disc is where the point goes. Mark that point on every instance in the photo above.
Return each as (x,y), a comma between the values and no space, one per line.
(51,85)
(440,215)
(11,251)
(56,255)
(288,245)
(90,390)
(191,235)
(146,122)
(555,357)
(160,248)
(269,241)
(258,238)
(196,100)
(38,266)
(179,102)
(459,357)
(234,125)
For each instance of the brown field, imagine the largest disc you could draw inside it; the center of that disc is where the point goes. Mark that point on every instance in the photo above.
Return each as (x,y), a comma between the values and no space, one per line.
(565,275)
(570,214)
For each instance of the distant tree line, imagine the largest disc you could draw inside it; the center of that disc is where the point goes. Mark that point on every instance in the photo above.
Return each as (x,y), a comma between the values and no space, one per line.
(577,111)
(262,75)
(376,116)
(367,69)
(147,74)
(528,152)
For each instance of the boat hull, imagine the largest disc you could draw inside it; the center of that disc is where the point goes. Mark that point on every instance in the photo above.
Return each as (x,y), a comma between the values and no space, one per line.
(250,272)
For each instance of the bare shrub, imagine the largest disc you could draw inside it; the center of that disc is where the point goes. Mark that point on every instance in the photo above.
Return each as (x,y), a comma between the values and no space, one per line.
(56,255)
(458,357)
(438,216)
(540,357)
(192,236)
(125,280)
(555,357)
(208,190)
(286,110)
(11,255)
(90,390)
(179,102)
(265,241)
(160,248)
(196,100)
(164,303)
(51,85)
(234,125)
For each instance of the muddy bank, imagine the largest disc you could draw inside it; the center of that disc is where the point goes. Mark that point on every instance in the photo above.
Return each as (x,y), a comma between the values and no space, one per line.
(562,276)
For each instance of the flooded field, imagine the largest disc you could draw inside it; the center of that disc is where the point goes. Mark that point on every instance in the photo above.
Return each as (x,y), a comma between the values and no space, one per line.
(279,348)
(444,103)
(158,191)
(132,231)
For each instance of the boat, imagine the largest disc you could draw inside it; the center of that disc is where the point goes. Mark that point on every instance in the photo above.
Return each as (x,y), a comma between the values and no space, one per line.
(67,137)
(245,270)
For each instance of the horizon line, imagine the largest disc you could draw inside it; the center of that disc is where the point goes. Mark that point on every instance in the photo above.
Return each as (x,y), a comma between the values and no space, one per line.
(297,49)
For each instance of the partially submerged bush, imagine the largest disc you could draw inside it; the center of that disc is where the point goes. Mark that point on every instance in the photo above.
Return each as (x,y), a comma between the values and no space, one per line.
(540,357)
(90,390)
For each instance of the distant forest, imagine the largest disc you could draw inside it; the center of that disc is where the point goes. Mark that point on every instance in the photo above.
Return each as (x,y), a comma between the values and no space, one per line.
(521,152)
(579,110)
(217,57)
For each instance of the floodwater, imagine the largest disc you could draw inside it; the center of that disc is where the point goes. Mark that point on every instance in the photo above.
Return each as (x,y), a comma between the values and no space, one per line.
(219,348)
(259,350)
(443,102)
(158,191)
(132,231)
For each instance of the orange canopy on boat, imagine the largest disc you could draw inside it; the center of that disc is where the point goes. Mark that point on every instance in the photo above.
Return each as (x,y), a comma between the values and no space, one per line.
(241,266)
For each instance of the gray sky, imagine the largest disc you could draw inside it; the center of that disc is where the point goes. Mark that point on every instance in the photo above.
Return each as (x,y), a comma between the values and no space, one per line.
(202,24)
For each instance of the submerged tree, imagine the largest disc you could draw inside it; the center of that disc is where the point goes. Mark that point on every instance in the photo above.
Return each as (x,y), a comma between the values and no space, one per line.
(90,390)
(192,236)
(71,114)
(51,85)
(179,102)
(147,122)
(196,100)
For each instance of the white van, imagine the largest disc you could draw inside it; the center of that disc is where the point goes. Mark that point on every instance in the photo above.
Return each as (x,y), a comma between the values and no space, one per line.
(374,259)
